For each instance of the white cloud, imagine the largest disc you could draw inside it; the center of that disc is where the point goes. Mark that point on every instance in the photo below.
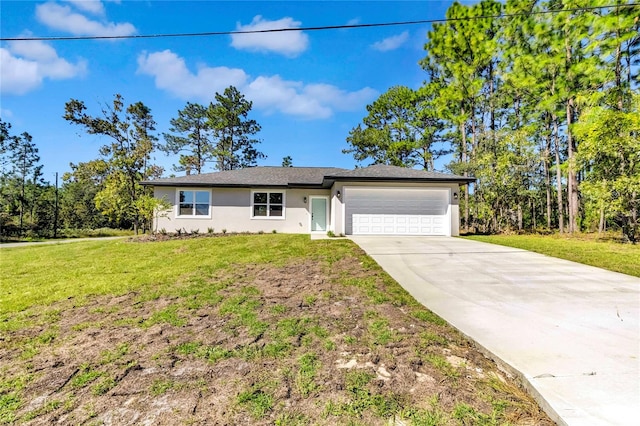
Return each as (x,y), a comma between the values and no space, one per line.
(171,74)
(63,18)
(338,98)
(269,93)
(353,21)
(288,43)
(92,6)
(391,43)
(289,97)
(25,64)
(5,113)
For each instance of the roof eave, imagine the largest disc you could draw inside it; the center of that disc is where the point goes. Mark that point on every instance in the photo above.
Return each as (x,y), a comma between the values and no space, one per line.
(308,186)
(211,185)
(326,183)
(460,180)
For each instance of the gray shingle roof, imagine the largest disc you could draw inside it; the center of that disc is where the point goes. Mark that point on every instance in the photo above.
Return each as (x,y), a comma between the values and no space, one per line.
(253,176)
(304,176)
(383,171)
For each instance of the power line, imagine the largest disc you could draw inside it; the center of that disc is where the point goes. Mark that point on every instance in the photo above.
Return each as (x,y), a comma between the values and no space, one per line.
(318,28)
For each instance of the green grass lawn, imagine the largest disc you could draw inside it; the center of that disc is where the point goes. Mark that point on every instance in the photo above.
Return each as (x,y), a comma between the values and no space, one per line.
(39,275)
(624,258)
(240,329)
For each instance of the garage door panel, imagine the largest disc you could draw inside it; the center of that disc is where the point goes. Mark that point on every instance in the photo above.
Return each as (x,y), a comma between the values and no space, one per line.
(397,201)
(396,211)
(396,224)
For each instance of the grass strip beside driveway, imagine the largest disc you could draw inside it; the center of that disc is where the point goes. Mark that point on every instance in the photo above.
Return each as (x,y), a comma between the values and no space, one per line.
(617,257)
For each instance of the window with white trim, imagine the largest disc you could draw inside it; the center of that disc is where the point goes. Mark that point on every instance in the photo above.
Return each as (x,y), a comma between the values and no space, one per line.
(194,203)
(267,204)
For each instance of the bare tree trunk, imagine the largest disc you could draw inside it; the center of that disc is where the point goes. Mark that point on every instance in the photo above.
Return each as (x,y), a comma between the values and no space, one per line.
(634,211)
(558,175)
(572,179)
(136,218)
(199,154)
(618,65)
(474,145)
(547,179)
(601,224)
(519,216)
(22,191)
(464,160)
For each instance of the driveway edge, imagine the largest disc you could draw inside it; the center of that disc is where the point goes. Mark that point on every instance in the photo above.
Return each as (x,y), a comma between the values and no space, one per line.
(515,373)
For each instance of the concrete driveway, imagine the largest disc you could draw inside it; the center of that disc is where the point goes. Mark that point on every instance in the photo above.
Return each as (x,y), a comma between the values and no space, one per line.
(570,331)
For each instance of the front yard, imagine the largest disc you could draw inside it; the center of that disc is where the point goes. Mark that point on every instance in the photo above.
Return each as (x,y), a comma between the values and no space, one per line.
(262,329)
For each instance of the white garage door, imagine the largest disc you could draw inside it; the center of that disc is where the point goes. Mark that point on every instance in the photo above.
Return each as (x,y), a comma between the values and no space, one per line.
(396,211)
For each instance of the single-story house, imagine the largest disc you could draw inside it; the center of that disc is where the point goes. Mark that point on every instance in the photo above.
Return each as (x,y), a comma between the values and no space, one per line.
(375,200)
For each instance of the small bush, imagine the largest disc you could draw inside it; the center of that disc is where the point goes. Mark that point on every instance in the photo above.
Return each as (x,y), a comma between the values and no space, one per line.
(210,230)
(195,231)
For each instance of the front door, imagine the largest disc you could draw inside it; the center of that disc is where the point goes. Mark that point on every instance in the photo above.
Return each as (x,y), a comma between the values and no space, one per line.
(318,214)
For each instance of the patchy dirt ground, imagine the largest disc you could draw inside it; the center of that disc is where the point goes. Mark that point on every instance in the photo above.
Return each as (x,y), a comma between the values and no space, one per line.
(308,343)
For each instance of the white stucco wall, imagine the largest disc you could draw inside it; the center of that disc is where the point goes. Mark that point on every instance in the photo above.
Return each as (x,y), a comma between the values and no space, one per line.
(231,210)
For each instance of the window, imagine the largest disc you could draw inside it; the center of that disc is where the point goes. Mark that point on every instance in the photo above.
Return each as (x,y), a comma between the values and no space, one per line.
(194,203)
(268,204)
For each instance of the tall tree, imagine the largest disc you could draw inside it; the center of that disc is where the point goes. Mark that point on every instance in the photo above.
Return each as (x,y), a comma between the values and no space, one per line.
(7,142)
(192,139)
(532,70)
(235,146)
(26,166)
(79,189)
(610,151)
(509,84)
(619,45)
(6,146)
(401,129)
(128,154)
(287,161)
(24,196)
(461,59)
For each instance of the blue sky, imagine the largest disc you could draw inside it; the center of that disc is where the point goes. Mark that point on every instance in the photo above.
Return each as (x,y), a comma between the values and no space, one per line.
(308,88)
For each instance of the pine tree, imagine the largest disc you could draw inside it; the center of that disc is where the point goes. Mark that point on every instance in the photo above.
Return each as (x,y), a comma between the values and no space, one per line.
(233,131)
(26,165)
(400,130)
(193,139)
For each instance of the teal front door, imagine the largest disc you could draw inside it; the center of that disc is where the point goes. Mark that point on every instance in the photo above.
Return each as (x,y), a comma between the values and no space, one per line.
(318,214)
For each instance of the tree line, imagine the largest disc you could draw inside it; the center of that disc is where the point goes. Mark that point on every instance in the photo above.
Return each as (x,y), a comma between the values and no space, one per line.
(540,105)
(538,100)
(106,191)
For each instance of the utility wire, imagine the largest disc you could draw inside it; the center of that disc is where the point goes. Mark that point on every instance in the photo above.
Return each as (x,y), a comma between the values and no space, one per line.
(319,28)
